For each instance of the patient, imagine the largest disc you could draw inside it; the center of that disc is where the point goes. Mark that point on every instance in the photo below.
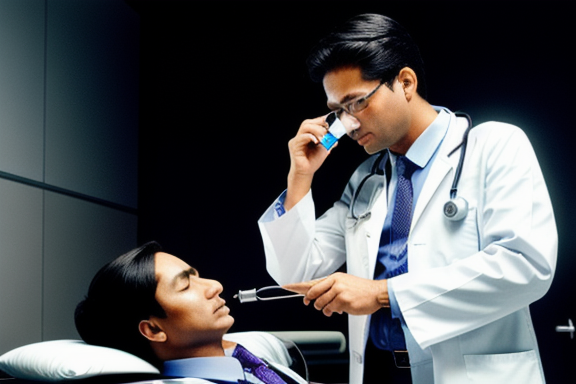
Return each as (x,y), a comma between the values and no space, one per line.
(155,306)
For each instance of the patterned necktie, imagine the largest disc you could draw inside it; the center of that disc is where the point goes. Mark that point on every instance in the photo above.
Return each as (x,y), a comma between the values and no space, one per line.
(402,215)
(386,332)
(395,241)
(256,367)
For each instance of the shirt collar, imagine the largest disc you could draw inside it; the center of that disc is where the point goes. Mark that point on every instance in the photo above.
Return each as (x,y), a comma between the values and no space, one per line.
(217,368)
(428,142)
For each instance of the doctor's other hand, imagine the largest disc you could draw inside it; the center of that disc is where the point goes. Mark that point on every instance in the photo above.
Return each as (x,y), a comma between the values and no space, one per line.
(341,292)
(306,157)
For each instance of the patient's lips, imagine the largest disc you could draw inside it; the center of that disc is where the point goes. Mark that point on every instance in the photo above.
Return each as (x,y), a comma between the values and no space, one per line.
(221,306)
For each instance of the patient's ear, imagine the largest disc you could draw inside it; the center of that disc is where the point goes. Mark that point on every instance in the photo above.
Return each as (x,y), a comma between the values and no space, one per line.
(150,330)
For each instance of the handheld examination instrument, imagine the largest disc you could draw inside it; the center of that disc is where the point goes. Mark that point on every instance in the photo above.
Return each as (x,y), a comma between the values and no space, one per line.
(253,294)
(336,130)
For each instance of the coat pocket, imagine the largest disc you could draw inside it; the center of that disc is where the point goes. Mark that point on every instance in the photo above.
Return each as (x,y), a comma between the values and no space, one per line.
(506,368)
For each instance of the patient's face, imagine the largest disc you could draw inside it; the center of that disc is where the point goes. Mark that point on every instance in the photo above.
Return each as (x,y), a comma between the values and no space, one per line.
(196,314)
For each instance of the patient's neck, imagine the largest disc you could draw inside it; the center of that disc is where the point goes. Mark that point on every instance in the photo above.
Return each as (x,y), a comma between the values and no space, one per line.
(166,351)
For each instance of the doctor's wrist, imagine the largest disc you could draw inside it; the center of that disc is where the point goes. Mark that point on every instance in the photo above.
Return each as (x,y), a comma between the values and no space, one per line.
(383,298)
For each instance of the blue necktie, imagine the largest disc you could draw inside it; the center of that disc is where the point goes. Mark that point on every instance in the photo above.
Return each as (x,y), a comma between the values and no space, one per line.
(256,366)
(402,215)
(393,243)
(385,331)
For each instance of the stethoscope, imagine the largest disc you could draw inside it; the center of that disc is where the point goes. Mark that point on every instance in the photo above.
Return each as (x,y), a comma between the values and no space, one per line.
(454,209)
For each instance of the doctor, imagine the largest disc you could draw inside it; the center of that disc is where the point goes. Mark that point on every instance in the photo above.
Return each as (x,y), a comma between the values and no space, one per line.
(453,292)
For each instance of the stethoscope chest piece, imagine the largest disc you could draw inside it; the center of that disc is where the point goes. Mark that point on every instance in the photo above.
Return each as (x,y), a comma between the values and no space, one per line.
(456,209)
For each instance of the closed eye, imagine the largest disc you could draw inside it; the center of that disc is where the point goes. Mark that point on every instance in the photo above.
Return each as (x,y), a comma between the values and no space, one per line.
(182,280)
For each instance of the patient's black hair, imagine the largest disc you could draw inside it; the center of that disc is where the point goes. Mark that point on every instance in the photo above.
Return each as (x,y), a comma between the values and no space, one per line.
(122,294)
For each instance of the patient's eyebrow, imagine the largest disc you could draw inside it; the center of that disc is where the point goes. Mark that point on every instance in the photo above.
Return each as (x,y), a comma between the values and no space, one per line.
(184,275)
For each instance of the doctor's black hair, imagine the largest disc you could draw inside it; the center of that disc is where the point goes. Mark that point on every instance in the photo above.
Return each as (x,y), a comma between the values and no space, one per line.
(121,294)
(376,44)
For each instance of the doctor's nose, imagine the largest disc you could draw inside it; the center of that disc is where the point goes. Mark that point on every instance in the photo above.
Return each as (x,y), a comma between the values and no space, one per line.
(350,122)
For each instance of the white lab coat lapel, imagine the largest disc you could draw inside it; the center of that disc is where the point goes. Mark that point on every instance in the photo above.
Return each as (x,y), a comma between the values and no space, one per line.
(363,241)
(440,170)
(438,173)
(363,237)
(374,231)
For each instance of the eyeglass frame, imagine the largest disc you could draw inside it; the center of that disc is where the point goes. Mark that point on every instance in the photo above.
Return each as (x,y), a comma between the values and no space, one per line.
(347,107)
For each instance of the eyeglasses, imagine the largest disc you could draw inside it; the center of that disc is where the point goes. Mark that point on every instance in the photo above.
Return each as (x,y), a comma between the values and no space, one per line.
(358,105)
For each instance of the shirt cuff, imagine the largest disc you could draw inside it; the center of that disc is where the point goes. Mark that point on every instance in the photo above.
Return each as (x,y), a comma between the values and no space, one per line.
(394,307)
(275,210)
(279,209)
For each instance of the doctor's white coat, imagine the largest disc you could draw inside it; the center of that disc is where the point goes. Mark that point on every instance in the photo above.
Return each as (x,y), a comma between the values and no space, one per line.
(465,298)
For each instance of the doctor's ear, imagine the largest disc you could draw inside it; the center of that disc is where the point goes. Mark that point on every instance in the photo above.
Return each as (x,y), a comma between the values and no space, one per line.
(150,330)
(409,82)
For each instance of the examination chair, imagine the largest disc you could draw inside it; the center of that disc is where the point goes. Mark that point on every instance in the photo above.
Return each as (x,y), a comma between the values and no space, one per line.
(74,361)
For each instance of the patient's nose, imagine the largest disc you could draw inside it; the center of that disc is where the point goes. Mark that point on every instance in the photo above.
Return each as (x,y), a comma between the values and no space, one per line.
(213,288)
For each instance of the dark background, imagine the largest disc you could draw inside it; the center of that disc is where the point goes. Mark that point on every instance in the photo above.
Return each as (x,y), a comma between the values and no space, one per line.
(224,87)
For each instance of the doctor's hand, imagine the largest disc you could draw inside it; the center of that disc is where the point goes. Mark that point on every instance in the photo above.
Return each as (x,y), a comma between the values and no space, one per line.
(342,292)
(306,157)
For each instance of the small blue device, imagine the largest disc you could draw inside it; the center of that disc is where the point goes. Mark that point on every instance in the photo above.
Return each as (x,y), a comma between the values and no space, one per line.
(335,131)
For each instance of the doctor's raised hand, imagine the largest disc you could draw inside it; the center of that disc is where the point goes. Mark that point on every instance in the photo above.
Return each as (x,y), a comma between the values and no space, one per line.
(306,157)
(341,292)
(307,154)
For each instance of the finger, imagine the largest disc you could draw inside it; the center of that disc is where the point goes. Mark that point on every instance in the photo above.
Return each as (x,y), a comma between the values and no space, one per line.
(320,120)
(322,300)
(331,308)
(333,146)
(311,137)
(302,287)
(302,140)
(317,126)
(327,312)
(319,287)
